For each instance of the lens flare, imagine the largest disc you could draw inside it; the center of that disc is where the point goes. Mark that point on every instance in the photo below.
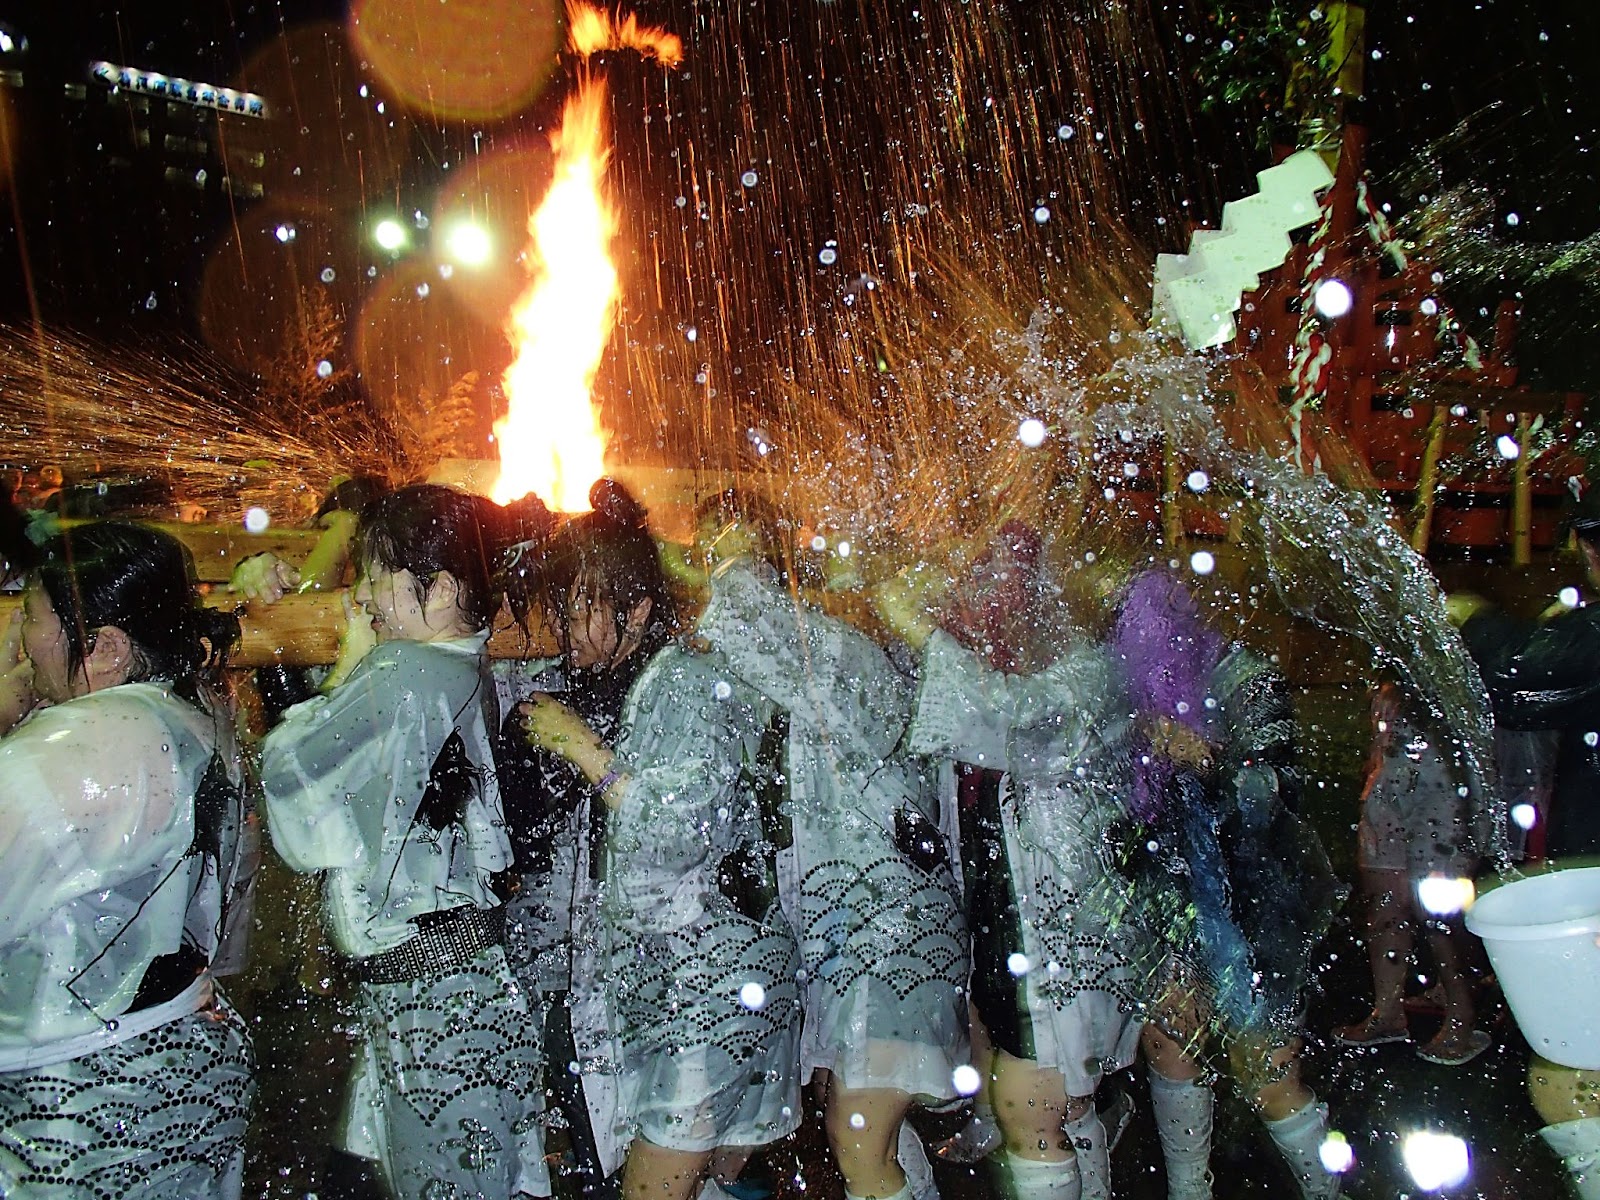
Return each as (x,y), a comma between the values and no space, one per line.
(1435,1160)
(475,59)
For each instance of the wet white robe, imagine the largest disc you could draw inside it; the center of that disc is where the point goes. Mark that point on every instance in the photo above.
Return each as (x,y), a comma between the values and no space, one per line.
(1060,737)
(97,880)
(704,996)
(446,1089)
(883,937)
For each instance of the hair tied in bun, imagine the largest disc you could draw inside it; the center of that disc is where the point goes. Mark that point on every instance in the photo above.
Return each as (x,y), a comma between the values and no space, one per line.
(616,504)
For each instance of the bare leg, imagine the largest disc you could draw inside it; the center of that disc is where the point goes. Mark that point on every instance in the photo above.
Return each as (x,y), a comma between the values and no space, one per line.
(1032,1105)
(1169,1040)
(864,1132)
(1182,1101)
(1390,940)
(1283,1094)
(1447,944)
(653,1172)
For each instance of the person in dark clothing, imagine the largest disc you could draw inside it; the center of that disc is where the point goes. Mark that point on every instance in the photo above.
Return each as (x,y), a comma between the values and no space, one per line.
(1547,676)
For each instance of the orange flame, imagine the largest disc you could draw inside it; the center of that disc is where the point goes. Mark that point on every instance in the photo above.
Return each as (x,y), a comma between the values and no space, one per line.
(550,439)
(590,31)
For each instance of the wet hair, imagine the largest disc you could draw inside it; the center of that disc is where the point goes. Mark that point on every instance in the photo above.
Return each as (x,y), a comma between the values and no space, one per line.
(606,555)
(142,581)
(427,528)
(352,495)
(18,554)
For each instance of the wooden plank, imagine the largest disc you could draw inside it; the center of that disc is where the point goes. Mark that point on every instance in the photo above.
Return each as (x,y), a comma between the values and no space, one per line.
(304,631)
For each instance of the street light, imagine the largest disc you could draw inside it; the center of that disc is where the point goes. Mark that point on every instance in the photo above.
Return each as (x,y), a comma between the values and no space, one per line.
(389,234)
(468,244)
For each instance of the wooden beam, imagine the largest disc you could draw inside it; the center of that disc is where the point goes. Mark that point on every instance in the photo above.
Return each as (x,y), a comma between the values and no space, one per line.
(301,631)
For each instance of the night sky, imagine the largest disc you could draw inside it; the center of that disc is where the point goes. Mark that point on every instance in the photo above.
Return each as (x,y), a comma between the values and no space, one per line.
(119,254)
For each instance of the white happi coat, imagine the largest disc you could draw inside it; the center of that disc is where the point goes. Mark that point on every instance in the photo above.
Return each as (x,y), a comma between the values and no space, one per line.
(884,939)
(1060,737)
(446,1090)
(102,872)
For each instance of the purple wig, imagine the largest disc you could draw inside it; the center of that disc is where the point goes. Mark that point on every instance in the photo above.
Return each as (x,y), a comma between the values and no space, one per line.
(1168,654)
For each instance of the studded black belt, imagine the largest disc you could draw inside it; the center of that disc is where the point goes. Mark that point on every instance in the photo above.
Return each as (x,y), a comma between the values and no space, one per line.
(445,942)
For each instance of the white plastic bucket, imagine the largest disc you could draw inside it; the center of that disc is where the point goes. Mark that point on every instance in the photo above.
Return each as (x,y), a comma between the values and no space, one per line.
(1543,937)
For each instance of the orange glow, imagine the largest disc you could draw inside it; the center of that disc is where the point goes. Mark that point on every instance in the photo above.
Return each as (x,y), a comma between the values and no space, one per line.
(473,59)
(550,439)
(589,31)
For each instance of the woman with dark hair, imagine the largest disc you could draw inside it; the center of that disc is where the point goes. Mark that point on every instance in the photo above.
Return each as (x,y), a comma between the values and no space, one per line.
(864,870)
(385,783)
(698,963)
(123,1071)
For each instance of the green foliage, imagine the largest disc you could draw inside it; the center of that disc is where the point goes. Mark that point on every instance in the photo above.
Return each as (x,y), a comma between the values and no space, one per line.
(1267,59)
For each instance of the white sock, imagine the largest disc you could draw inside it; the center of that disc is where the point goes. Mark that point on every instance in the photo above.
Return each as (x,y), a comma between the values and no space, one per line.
(1088,1136)
(1183,1110)
(913,1157)
(1034,1180)
(1578,1144)
(1299,1138)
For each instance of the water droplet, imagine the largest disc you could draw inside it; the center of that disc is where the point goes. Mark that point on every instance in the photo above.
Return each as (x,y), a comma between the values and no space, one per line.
(256,520)
(1335,1152)
(749,179)
(327,275)
(1031,433)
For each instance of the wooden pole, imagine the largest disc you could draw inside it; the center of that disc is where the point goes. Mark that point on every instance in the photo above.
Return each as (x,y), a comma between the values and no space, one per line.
(1522,495)
(1428,479)
(303,630)
(1171,506)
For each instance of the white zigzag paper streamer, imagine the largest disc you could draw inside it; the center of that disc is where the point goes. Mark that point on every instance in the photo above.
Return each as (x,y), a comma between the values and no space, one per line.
(1196,294)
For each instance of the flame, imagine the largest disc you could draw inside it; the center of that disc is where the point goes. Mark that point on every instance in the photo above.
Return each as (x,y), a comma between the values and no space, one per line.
(550,440)
(589,31)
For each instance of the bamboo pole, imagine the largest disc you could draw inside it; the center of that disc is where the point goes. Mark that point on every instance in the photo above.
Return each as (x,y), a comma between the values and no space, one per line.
(1171,505)
(1428,479)
(1522,495)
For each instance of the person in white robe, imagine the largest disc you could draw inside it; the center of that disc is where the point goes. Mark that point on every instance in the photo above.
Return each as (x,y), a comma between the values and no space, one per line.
(700,965)
(124,1073)
(385,784)
(865,873)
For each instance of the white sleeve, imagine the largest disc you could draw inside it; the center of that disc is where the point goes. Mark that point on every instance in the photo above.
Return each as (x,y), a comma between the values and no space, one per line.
(830,677)
(89,796)
(330,750)
(968,710)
